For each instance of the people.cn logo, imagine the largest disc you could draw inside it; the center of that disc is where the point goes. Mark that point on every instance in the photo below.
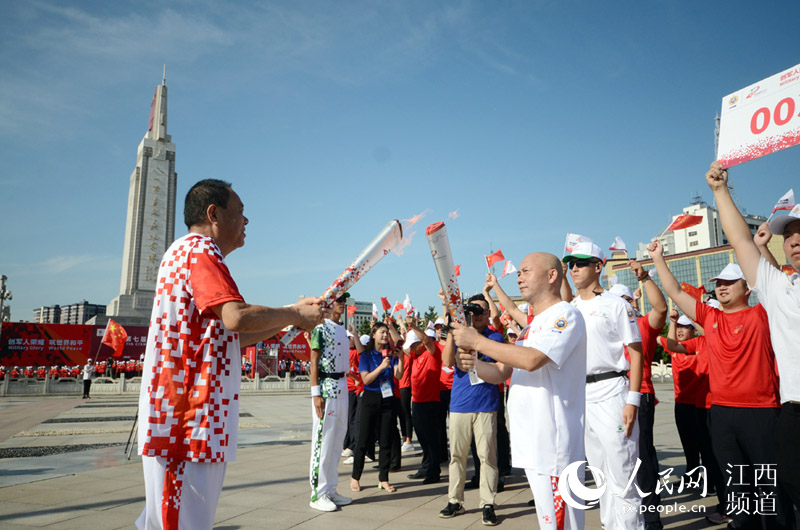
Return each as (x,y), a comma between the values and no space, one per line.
(752,92)
(574,486)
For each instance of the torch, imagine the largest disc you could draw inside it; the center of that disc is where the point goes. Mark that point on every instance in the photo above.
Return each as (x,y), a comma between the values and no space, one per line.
(443,260)
(384,242)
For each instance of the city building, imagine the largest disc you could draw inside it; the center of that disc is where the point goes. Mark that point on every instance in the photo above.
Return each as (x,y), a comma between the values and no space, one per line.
(150,222)
(78,313)
(363,314)
(707,234)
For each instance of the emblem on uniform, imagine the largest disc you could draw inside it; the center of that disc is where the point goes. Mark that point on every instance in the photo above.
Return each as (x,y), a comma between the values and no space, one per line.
(738,328)
(561,324)
(630,315)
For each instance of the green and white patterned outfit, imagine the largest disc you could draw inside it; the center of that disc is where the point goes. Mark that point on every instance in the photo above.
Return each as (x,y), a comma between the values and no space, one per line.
(328,433)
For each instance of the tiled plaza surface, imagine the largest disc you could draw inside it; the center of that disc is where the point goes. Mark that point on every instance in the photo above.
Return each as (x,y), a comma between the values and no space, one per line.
(267,487)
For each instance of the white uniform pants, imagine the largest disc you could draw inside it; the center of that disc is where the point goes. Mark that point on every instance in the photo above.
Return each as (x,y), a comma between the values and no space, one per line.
(553,512)
(180,495)
(615,454)
(327,438)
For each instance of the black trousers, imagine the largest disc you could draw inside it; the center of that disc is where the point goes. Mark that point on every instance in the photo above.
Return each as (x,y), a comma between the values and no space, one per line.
(710,463)
(375,410)
(647,477)
(87,385)
(503,440)
(406,425)
(744,444)
(787,435)
(426,423)
(685,420)
(351,437)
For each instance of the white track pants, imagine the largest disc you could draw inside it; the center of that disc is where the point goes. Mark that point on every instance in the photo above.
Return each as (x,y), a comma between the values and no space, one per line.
(327,437)
(180,495)
(553,512)
(615,454)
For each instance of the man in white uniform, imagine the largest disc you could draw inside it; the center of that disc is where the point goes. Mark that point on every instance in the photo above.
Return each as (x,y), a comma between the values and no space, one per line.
(546,401)
(330,361)
(612,401)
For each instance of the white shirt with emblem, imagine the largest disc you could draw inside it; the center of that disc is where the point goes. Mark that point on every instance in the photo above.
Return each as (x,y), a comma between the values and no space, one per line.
(610,325)
(780,296)
(546,407)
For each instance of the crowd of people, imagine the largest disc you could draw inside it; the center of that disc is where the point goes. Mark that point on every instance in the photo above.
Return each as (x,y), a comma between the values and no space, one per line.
(111,368)
(570,369)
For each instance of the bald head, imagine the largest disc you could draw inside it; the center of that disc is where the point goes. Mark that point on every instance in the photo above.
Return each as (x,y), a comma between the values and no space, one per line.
(540,274)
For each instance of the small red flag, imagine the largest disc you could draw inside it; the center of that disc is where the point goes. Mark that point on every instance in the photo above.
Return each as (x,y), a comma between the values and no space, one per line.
(685,221)
(397,307)
(115,337)
(495,257)
(788,270)
(695,292)
(385,303)
(351,310)
(458,270)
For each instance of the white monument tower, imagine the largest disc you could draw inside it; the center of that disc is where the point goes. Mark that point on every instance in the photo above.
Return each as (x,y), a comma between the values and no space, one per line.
(150,225)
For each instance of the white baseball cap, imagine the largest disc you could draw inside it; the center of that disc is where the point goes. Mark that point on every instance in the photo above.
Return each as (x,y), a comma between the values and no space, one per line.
(431,333)
(364,339)
(584,250)
(411,339)
(683,320)
(439,322)
(779,224)
(713,303)
(512,332)
(621,290)
(731,272)
(349,335)
(524,307)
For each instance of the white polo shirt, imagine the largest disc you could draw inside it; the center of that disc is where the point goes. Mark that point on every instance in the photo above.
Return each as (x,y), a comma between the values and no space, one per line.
(610,325)
(546,407)
(780,296)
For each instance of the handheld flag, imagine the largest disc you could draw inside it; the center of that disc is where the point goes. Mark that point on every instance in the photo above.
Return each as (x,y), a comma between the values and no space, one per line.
(458,270)
(695,292)
(385,303)
(572,240)
(494,257)
(685,221)
(786,202)
(508,268)
(397,307)
(618,245)
(374,311)
(351,310)
(115,337)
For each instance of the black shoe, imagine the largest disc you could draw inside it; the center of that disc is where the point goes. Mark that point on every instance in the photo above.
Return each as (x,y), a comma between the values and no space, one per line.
(501,484)
(394,469)
(531,503)
(451,510)
(472,484)
(489,518)
(655,525)
(417,475)
(431,480)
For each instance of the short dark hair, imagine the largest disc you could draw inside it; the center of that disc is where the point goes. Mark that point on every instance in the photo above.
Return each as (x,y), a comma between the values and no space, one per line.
(201,196)
(475,297)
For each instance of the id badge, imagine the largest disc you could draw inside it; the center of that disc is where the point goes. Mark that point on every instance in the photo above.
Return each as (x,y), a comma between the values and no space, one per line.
(386,389)
(473,377)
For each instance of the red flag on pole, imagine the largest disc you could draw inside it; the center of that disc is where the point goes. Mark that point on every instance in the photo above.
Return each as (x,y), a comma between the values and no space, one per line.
(458,270)
(685,221)
(397,307)
(495,257)
(351,310)
(385,303)
(115,337)
(695,292)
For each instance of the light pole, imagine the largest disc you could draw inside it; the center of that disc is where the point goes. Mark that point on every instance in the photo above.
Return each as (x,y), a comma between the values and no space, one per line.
(4,295)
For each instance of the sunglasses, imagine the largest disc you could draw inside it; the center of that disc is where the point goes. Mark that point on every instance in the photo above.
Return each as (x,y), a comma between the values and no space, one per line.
(580,263)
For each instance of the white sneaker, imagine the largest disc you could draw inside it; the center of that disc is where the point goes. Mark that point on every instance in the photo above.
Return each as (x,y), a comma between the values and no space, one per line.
(323,504)
(339,500)
(348,461)
(407,447)
(347,452)
(368,459)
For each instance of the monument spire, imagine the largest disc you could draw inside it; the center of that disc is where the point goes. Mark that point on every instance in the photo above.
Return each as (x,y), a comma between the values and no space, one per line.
(150,224)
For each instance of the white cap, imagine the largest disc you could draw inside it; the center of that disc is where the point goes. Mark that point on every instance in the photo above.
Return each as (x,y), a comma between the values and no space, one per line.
(364,339)
(439,322)
(713,303)
(584,250)
(731,272)
(89,360)
(349,335)
(411,339)
(524,307)
(683,320)
(431,333)
(512,332)
(621,290)
(778,225)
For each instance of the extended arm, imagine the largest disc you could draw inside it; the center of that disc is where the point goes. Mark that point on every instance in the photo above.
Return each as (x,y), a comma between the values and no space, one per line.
(657,316)
(255,323)
(762,237)
(510,355)
(506,301)
(733,224)
(682,299)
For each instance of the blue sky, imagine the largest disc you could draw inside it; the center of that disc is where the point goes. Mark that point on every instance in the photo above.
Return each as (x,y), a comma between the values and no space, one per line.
(530,118)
